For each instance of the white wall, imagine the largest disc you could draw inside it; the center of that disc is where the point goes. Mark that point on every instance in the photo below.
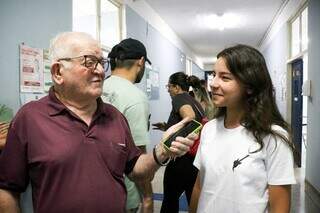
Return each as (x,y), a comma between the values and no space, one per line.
(275,49)
(144,10)
(197,71)
(164,56)
(313,149)
(208,67)
(276,55)
(286,12)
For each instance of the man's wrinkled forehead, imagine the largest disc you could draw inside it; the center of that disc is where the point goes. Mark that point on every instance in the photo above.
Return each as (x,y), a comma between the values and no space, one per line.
(90,48)
(86,46)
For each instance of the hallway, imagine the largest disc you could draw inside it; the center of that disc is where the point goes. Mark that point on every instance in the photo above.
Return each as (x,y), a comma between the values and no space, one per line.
(179,36)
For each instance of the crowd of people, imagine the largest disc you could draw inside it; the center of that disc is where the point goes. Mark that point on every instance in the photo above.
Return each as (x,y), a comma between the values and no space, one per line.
(83,146)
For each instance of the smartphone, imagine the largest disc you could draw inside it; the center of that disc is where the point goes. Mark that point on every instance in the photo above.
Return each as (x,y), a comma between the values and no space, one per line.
(192,127)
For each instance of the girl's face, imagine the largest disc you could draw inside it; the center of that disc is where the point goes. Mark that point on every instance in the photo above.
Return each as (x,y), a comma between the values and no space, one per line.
(227,91)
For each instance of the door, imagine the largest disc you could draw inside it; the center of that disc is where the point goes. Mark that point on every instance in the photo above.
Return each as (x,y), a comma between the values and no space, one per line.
(296,103)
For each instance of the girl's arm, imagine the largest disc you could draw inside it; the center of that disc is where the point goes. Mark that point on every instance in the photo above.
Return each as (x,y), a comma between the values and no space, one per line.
(195,196)
(279,198)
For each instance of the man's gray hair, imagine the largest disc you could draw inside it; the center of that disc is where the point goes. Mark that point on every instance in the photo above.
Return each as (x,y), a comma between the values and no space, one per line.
(65,44)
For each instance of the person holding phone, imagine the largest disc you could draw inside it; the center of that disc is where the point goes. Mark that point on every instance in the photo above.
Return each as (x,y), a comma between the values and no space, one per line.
(245,158)
(180,174)
(73,148)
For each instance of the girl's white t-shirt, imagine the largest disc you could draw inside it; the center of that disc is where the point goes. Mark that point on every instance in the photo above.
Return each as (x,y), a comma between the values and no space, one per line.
(244,188)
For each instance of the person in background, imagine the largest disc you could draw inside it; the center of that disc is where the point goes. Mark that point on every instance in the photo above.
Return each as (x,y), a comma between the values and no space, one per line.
(203,83)
(6,115)
(245,158)
(202,96)
(74,148)
(127,61)
(180,174)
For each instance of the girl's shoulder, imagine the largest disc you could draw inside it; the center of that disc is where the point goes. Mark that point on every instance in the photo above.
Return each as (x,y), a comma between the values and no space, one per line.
(212,124)
(280,130)
(274,141)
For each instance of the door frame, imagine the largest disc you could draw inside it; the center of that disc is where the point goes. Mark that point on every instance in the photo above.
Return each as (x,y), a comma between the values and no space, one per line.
(289,87)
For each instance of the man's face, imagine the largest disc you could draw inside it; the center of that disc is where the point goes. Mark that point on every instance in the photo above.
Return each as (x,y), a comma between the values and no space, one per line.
(79,79)
(140,74)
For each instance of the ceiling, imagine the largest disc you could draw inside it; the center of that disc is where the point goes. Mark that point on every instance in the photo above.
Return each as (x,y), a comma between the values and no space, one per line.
(181,15)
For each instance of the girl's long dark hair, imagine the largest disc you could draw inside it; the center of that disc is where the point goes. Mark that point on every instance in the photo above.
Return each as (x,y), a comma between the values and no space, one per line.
(261,112)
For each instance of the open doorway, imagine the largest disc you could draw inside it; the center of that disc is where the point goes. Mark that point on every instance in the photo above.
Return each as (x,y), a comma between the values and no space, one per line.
(297,105)
(299,120)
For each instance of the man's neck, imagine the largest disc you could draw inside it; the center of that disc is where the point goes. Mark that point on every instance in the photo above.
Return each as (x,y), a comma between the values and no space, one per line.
(84,109)
(124,73)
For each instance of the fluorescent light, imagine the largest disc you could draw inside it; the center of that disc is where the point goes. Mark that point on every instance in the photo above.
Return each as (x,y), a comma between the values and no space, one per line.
(220,22)
(208,60)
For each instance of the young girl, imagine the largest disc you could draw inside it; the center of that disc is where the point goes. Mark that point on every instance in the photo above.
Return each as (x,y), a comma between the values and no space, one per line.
(245,159)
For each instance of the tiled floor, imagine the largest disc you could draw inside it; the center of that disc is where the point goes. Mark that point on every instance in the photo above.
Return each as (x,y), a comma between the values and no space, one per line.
(301,202)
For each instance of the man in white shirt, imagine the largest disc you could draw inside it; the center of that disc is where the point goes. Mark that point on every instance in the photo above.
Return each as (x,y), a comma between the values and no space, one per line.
(127,61)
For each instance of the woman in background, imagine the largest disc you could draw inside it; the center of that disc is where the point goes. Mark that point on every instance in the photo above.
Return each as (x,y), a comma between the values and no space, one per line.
(245,158)
(180,174)
(202,96)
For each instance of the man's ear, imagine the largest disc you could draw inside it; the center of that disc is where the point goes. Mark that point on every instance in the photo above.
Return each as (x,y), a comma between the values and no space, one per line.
(141,61)
(56,74)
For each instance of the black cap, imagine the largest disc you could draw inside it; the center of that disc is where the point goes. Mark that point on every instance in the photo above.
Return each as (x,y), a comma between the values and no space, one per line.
(129,49)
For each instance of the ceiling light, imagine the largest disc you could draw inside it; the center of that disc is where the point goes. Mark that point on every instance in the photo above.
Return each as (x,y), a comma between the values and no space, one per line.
(220,22)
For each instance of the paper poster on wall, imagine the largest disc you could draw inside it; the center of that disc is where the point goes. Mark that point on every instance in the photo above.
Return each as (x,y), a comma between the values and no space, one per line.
(31,69)
(152,87)
(46,71)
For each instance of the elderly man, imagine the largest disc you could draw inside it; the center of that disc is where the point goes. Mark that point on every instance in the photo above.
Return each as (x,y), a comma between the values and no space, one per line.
(127,60)
(72,147)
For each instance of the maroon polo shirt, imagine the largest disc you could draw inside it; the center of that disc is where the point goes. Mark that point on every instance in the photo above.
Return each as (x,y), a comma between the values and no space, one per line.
(72,167)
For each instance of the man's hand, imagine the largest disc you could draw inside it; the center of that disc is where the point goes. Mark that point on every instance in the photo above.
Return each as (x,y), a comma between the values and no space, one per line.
(147,164)
(181,145)
(159,126)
